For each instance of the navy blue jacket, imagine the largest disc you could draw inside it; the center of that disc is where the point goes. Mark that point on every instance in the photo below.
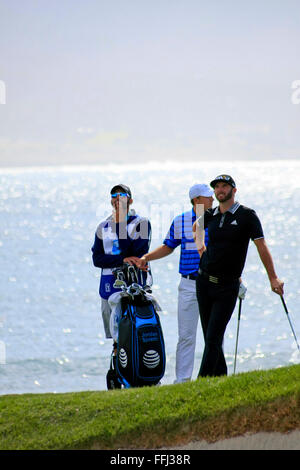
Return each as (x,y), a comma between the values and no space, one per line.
(116,241)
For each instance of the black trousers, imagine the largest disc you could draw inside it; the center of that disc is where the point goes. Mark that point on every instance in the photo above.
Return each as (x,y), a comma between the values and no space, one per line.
(216,305)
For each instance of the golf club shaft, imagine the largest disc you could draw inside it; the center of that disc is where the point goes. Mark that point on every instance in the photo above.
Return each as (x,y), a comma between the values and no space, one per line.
(288,317)
(237,334)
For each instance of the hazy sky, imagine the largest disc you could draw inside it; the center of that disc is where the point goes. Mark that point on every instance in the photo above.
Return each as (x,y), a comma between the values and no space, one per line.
(89,81)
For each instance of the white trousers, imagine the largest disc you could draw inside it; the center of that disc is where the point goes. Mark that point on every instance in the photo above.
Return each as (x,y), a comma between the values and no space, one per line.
(106,313)
(188,317)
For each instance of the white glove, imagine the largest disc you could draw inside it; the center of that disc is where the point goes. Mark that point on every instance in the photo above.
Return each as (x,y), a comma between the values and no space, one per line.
(242,291)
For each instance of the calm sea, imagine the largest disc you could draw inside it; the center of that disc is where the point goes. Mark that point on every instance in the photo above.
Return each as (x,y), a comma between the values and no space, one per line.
(51,333)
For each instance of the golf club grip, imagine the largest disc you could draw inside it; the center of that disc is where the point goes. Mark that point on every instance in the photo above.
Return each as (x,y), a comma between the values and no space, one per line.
(284,304)
(240,309)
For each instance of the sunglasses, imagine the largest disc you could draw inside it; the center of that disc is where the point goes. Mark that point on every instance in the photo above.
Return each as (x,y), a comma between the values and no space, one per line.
(119,194)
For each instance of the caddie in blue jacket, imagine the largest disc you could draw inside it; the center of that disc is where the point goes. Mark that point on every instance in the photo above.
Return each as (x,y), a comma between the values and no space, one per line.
(121,238)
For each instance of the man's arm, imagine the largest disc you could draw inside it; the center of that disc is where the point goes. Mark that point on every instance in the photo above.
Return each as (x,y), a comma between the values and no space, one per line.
(199,235)
(169,244)
(158,253)
(266,258)
(102,260)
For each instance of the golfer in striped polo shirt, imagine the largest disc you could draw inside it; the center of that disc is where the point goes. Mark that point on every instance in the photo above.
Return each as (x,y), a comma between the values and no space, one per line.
(180,234)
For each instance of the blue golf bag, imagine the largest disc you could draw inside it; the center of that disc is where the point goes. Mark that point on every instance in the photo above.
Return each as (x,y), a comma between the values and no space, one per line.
(140,349)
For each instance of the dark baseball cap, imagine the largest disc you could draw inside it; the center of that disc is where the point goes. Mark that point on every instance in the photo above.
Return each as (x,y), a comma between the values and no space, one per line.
(125,188)
(225,178)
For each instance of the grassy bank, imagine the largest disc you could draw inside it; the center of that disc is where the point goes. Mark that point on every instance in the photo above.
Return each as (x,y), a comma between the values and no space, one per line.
(153,417)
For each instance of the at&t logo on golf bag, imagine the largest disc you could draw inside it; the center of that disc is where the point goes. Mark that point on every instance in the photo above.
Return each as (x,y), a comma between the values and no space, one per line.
(151,359)
(141,349)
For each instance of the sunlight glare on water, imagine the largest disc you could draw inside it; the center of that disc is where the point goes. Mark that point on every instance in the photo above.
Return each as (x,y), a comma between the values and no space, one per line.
(50,325)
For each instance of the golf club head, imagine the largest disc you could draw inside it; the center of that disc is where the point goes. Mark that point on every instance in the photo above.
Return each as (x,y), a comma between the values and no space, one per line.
(119,284)
(134,289)
(132,274)
(148,289)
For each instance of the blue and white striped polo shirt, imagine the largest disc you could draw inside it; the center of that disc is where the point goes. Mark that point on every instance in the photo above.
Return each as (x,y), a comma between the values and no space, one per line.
(181,233)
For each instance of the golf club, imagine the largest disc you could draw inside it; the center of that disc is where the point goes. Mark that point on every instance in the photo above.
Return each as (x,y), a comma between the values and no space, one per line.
(288,317)
(237,334)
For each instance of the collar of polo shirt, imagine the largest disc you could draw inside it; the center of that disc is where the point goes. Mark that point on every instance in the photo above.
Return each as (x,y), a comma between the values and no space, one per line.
(232,209)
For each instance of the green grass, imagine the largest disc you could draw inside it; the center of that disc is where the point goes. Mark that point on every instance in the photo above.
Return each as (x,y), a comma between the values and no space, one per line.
(153,417)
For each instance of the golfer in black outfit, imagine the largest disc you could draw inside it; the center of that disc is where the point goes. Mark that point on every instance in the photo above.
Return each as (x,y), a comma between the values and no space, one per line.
(230,227)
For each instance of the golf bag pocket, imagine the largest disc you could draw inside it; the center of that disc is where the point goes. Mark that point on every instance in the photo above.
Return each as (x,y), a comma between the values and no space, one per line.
(141,349)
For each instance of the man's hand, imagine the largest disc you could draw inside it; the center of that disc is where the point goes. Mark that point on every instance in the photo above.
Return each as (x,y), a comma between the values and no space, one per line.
(132,260)
(201,250)
(139,262)
(142,263)
(277,286)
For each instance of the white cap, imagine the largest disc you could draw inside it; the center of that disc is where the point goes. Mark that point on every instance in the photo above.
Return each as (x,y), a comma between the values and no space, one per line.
(200,190)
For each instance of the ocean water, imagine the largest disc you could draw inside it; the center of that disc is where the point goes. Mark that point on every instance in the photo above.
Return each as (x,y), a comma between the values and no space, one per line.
(51,332)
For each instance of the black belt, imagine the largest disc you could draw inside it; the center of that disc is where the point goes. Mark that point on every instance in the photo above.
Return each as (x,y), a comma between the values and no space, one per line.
(216,280)
(190,276)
